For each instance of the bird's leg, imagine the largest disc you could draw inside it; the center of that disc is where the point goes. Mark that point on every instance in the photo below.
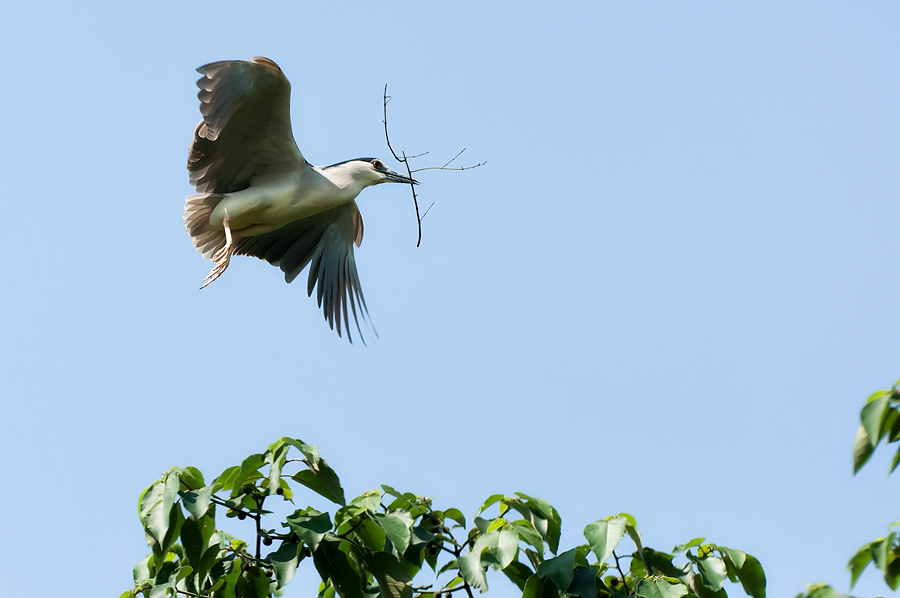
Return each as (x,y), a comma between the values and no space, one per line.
(222,257)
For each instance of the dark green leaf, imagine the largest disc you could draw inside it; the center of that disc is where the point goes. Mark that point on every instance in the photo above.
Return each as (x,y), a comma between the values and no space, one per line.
(661,563)
(604,535)
(752,577)
(540,587)
(518,573)
(660,588)
(192,541)
(345,578)
(584,583)
(892,571)
(561,569)
(858,563)
(284,561)
(323,482)
(319,477)
(310,525)
(391,575)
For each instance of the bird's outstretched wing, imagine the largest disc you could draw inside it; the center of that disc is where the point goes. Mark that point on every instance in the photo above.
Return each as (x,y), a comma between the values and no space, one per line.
(325,242)
(246,127)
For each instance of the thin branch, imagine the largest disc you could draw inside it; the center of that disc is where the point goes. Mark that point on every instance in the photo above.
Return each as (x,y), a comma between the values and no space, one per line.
(404,159)
(621,573)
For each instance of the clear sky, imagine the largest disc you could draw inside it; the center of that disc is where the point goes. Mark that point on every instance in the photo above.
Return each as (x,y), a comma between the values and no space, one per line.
(668,292)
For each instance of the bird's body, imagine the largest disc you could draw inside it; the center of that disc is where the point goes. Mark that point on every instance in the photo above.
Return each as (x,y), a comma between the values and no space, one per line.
(257,195)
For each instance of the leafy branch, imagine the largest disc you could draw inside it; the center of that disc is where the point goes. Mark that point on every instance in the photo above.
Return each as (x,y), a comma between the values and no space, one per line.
(380,542)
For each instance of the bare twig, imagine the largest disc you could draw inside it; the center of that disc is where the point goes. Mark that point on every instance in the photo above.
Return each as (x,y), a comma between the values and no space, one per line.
(403,158)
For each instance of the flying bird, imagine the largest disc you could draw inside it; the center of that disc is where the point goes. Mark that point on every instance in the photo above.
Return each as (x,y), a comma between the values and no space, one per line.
(257,195)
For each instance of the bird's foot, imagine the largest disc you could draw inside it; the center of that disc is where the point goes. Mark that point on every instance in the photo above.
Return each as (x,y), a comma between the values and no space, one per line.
(220,259)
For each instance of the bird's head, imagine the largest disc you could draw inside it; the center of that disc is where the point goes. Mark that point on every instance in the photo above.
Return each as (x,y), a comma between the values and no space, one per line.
(368,171)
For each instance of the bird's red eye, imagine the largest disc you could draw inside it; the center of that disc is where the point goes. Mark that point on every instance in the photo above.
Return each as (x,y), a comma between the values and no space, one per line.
(377,164)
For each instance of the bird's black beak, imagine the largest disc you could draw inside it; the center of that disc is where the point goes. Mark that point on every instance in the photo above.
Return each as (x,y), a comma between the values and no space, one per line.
(396,177)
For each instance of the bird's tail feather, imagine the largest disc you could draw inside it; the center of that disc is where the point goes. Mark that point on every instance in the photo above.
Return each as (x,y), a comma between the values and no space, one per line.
(197,209)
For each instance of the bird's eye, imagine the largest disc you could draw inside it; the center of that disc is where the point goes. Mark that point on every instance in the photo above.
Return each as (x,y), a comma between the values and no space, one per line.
(377,164)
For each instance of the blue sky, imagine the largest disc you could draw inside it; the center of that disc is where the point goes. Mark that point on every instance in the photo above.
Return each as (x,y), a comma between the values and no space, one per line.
(668,292)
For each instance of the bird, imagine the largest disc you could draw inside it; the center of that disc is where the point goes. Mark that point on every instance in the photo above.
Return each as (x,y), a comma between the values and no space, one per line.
(256,194)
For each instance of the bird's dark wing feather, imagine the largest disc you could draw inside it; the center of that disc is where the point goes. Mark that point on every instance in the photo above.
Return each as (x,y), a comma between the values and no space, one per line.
(323,241)
(246,126)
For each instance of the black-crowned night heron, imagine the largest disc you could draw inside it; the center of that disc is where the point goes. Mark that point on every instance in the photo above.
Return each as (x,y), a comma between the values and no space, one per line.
(257,195)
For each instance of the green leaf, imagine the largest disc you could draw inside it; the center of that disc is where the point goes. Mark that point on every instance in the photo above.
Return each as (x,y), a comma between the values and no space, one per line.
(540,587)
(858,563)
(892,572)
(319,477)
(396,529)
(155,510)
(872,415)
(530,535)
(310,525)
(284,561)
(561,569)
(518,573)
(712,570)
(691,544)
(391,574)
(197,501)
(248,472)
(879,552)
(497,548)
(192,478)
(862,449)
(546,519)
(371,534)
(604,535)
(275,456)
(368,501)
(584,583)
(323,482)
(752,577)
(456,515)
(660,588)
(492,499)
(660,562)
(339,568)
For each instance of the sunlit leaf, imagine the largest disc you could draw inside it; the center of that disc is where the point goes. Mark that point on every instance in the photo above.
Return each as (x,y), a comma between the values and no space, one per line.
(604,535)
(872,414)
(660,588)
(310,525)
